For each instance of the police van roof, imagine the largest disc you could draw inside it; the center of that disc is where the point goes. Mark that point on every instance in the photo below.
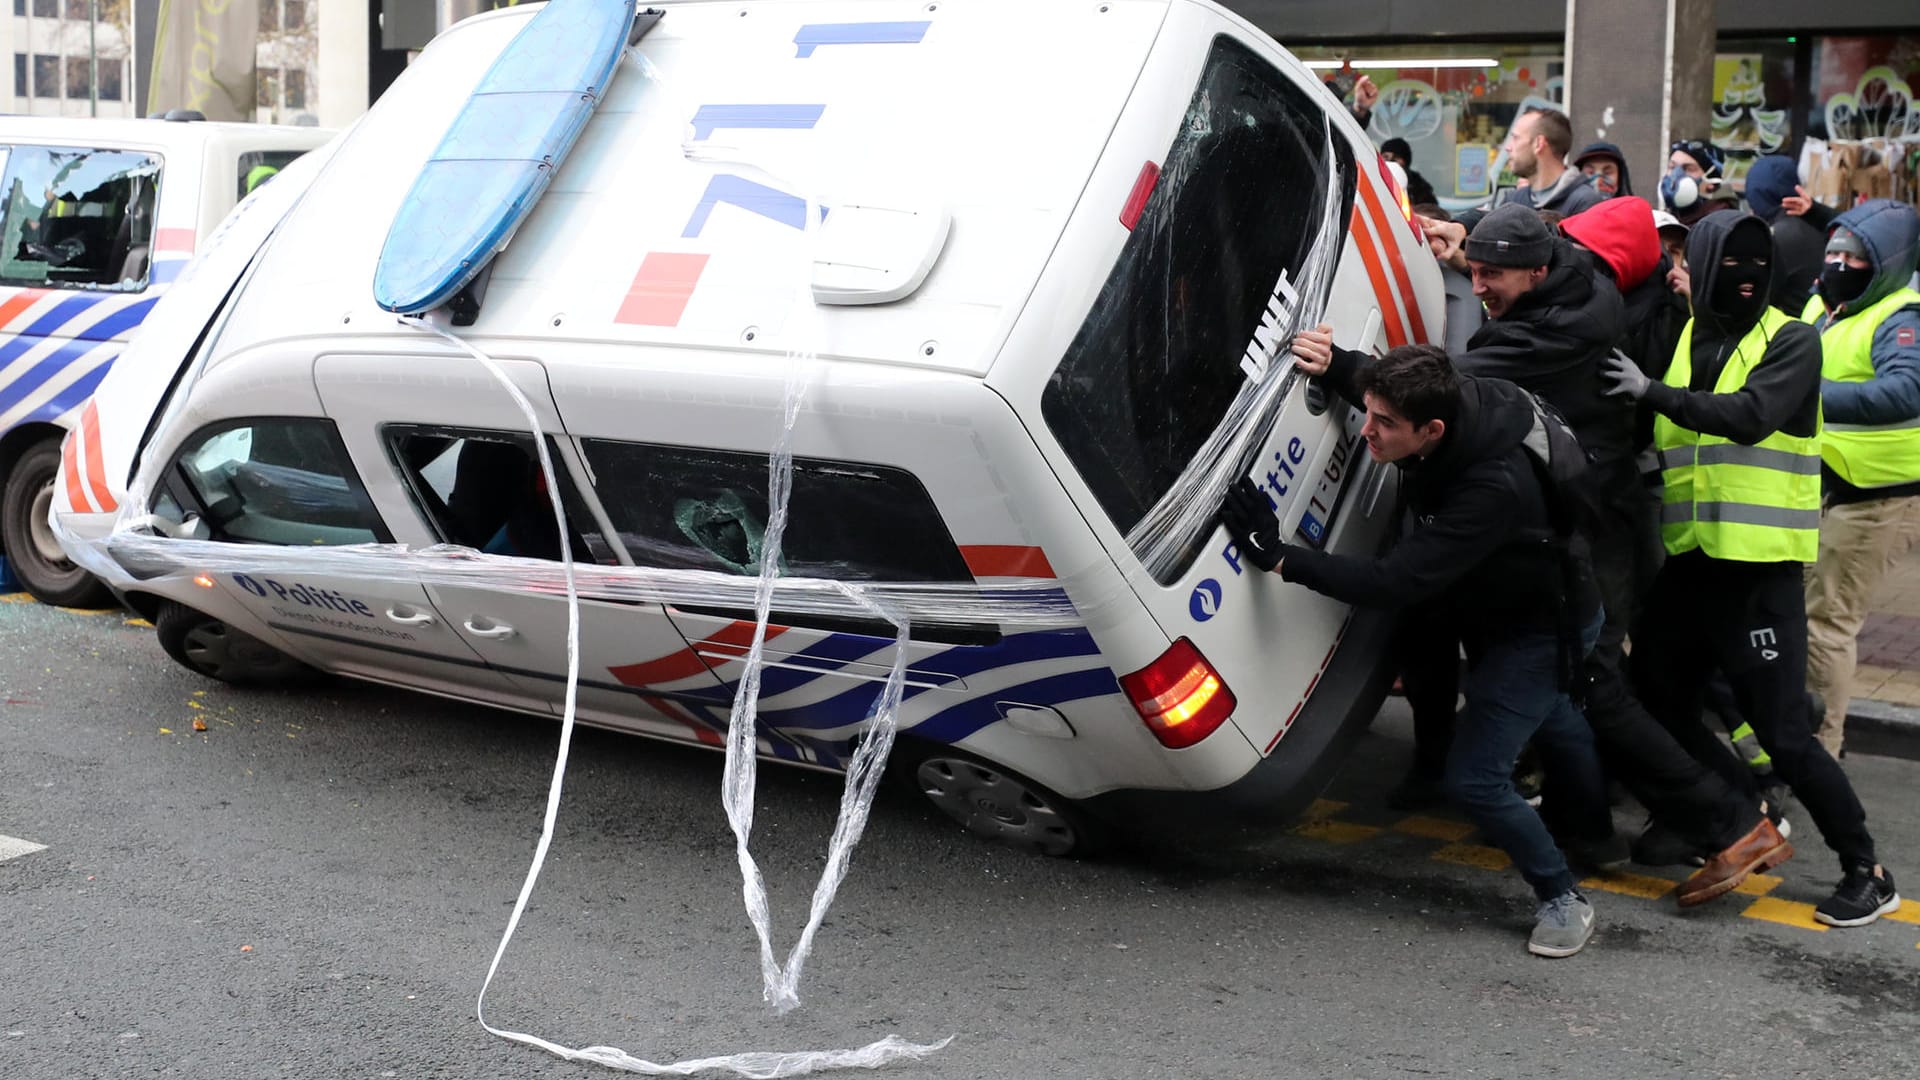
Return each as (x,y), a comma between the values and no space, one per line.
(680,218)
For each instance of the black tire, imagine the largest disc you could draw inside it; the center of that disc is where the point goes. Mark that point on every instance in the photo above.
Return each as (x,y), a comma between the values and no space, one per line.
(43,569)
(996,803)
(206,646)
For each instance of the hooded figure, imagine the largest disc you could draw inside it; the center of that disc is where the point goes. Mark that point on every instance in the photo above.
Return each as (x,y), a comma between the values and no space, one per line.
(1782,391)
(1622,234)
(1797,241)
(1418,190)
(1693,186)
(1607,166)
(1886,235)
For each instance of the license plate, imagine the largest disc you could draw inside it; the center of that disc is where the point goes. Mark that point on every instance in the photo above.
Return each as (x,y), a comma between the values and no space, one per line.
(1323,502)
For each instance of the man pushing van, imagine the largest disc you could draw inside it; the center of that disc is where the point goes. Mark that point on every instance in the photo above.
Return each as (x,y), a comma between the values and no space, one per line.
(1483,545)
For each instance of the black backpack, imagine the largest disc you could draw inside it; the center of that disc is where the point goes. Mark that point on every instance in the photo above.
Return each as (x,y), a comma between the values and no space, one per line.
(1560,464)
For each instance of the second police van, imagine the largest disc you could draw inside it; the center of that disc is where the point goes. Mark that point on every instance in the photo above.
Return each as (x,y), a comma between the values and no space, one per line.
(1125,188)
(99,217)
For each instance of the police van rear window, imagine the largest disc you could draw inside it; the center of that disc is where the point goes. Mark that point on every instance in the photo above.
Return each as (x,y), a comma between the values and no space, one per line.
(1157,362)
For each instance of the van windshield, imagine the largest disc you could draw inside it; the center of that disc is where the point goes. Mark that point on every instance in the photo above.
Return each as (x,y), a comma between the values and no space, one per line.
(1157,362)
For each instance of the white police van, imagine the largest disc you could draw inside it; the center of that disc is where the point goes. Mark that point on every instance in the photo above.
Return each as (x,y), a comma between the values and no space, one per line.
(99,217)
(1004,386)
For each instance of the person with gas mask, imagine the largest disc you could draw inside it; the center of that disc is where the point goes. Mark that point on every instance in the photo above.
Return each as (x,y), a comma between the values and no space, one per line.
(1738,444)
(1869,323)
(1693,188)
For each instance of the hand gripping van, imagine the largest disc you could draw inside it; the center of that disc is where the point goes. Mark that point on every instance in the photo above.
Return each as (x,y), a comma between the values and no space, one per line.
(99,217)
(1051,245)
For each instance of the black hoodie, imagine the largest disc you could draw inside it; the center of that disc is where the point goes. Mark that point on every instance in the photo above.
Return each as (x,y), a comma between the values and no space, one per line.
(1551,342)
(1782,392)
(1473,543)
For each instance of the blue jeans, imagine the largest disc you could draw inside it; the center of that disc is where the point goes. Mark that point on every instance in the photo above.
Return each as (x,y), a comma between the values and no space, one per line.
(1514,695)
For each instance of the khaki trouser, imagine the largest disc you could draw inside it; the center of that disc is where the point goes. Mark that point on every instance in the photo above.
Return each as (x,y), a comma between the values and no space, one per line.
(1859,543)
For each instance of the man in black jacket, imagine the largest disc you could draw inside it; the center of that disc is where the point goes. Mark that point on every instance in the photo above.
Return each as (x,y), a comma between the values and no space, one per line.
(1480,549)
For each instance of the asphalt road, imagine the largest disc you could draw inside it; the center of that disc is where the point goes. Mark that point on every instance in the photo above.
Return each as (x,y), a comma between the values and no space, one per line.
(314,886)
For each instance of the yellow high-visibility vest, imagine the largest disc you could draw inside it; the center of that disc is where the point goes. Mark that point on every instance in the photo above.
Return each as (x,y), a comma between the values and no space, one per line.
(1865,455)
(1757,503)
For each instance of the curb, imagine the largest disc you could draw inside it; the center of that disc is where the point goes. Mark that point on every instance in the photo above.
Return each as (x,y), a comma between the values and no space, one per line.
(1883,728)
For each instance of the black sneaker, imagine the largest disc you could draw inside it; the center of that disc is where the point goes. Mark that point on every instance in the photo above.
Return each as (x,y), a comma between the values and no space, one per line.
(1860,899)
(1603,855)
(1418,790)
(1661,846)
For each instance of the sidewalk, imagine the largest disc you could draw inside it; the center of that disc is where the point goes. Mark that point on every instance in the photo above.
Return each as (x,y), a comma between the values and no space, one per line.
(1885,714)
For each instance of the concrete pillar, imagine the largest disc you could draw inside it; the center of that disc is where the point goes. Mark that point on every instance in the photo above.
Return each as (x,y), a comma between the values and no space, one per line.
(341,64)
(1640,74)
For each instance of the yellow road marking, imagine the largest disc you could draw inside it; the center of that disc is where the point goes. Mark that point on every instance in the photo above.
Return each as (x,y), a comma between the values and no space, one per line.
(1322,809)
(1485,858)
(85,611)
(1640,885)
(1785,912)
(1336,832)
(16,598)
(1434,828)
(1909,913)
(144,624)
(1757,885)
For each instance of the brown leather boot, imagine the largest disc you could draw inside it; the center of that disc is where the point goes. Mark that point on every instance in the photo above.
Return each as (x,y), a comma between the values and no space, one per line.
(1761,849)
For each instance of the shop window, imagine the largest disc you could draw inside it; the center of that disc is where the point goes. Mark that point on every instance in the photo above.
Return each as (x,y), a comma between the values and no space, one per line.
(281,481)
(111,75)
(293,15)
(77,218)
(266,87)
(485,490)
(80,10)
(1864,87)
(296,86)
(269,16)
(1239,203)
(46,9)
(20,88)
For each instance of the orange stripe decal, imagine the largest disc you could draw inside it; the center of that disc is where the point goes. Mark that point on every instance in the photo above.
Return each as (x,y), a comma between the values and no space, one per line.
(18,303)
(1411,304)
(96,464)
(174,241)
(1382,292)
(70,474)
(661,289)
(1006,560)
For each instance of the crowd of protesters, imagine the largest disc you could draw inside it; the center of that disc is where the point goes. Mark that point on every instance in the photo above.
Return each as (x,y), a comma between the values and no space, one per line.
(1739,394)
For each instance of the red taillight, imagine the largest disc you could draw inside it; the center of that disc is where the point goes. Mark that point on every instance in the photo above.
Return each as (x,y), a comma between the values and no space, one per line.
(1400,199)
(1180,696)
(1142,191)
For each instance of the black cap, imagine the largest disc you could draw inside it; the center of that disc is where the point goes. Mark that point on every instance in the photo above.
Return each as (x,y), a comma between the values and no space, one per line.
(1511,236)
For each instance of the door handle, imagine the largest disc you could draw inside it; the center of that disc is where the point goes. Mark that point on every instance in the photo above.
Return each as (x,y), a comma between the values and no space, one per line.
(493,632)
(420,619)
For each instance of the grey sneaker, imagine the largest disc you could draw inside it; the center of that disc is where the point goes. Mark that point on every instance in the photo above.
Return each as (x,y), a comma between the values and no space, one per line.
(1561,925)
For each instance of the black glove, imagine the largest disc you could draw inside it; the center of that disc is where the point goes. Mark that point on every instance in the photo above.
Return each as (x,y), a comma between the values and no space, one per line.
(1255,527)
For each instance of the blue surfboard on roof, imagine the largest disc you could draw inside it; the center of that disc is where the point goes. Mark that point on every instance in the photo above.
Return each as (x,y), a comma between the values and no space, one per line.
(501,151)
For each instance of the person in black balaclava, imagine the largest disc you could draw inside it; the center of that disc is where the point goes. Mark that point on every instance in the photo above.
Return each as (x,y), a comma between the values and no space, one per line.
(1738,441)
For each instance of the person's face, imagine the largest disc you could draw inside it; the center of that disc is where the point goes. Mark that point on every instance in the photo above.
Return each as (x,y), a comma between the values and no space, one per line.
(1854,262)
(1499,287)
(1395,158)
(1680,159)
(1522,155)
(1391,437)
(1674,243)
(1607,170)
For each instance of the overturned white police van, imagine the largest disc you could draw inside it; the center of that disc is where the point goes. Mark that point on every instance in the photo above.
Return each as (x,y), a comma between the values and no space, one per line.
(1035,266)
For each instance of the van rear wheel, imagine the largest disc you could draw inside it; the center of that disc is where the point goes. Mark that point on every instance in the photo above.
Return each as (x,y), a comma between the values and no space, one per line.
(207,646)
(43,569)
(1002,805)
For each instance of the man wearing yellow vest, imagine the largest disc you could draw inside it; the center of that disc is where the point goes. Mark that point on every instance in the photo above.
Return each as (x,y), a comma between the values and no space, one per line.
(1869,323)
(1738,440)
